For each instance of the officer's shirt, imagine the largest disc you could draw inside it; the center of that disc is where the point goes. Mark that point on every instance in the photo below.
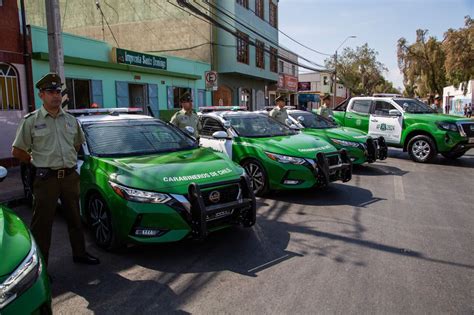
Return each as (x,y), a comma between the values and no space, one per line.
(279,114)
(325,111)
(51,141)
(182,119)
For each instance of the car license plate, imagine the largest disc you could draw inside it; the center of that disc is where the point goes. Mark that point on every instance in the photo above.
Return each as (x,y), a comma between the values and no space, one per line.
(471,140)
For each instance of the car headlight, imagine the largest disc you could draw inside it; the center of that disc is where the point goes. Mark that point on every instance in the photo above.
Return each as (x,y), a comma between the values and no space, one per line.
(345,143)
(137,195)
(448,126)
(285,159)
(22,278)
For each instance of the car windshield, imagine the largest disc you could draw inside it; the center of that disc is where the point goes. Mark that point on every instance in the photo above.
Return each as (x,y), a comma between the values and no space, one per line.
(414,106)
(257,125)
(313,121)
(134,137)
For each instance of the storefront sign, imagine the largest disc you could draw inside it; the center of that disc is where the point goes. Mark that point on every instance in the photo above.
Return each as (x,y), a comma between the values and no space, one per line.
(291,83)
(138,59)
(304,86)
(281,81)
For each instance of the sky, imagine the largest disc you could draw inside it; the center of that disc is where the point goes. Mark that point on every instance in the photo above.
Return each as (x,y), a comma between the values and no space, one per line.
(324,24)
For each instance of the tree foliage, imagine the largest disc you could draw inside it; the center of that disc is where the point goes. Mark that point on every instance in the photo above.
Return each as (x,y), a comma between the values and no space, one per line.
(458,46)
(422,65)
(361,72)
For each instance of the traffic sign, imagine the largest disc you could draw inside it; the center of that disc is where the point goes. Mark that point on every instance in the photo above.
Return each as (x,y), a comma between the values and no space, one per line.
(211,80)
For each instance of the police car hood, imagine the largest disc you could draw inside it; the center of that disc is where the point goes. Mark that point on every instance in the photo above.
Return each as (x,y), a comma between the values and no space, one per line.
(345,133)
(299,145)
(172,172)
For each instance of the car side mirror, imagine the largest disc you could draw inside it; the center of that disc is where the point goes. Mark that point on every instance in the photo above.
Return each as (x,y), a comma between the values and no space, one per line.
(300,119)
(189,130)
(394,112)
(219,135)
(3,173)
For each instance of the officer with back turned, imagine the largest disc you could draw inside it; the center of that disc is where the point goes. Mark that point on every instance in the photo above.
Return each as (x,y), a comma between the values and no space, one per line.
(49,140)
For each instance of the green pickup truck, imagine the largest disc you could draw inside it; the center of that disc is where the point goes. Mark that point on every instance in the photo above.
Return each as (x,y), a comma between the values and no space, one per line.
(409,124)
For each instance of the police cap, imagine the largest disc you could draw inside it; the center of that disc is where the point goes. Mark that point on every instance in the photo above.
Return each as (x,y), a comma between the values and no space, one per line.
(280,98)
(438,97)
(186,98)
(50,81)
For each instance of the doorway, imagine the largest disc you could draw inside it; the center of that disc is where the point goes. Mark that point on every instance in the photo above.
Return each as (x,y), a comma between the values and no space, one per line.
(137,94)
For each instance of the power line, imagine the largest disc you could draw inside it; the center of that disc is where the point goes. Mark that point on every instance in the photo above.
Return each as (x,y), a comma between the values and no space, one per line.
(235,19)
(280,31)
(106,22)
(192,8)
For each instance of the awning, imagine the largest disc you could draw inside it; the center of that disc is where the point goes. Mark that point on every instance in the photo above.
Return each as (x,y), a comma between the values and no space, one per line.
(304,98)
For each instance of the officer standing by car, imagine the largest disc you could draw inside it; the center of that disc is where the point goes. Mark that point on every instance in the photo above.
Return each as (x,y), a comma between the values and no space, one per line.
(325,109)
(279,111)
(186,117)
(436,106)
(49,140)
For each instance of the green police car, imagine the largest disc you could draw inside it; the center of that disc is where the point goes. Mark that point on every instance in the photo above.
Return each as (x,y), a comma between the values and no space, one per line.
(273,155)
(409,124)
(24,284)
(360,146)
(145,181)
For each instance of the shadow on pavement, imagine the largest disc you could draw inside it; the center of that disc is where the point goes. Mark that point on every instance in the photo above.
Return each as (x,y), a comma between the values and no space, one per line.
(467,160)
(377,170)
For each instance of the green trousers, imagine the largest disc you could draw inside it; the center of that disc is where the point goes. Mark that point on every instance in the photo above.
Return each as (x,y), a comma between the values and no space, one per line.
(46,193)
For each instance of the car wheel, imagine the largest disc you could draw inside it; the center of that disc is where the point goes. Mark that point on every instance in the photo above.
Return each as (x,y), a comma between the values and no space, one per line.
(421,149)
(100,220)
(453,156)
(257,175)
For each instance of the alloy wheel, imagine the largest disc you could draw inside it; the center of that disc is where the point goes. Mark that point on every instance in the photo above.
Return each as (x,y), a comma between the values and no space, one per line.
(100,220)
(257,177)
(421,149)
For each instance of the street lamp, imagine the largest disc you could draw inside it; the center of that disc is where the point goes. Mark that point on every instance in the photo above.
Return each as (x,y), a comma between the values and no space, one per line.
(335,71)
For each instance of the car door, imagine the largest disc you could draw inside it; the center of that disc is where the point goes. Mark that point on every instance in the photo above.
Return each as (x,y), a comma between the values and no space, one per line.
(381,123)
(210,125)
(358,114)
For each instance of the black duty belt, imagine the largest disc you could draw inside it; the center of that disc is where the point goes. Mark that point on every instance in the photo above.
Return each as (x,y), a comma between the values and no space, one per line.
(45,172)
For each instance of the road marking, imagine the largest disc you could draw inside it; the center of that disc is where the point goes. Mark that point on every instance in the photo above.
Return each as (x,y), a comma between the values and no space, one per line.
(398,188)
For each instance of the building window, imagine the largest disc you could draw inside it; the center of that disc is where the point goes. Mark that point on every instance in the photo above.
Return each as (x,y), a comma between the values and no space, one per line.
(244,3)
(281,66)
(79,93)
(273,59)
(258,8)
(177,93)
(9,88)
(259,56)
(242,47)
(325,80)
(273,14)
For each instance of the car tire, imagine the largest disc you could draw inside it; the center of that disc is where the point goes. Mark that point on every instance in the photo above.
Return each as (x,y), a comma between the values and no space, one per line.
(453,156)
(100,220)
(421,149)
(257,175)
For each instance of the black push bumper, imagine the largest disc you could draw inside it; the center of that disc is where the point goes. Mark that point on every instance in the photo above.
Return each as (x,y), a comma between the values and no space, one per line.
(332,166)
(241,211)
(376,149)
(462,147)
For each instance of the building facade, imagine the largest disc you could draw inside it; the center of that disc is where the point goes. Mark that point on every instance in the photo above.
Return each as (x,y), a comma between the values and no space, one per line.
(455,98)
(313,85)
(96,72)
(287,85)
(14,88)
(245,71)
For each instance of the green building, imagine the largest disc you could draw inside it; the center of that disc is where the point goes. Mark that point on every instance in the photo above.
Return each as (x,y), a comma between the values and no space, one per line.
(109,76)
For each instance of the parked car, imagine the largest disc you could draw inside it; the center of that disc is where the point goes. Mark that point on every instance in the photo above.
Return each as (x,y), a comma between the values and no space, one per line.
(409,124)
(361,147)
(146,181)
(24,283)
(273,155)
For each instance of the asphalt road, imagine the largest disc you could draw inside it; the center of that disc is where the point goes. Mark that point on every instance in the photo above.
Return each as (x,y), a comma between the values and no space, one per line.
(398,238)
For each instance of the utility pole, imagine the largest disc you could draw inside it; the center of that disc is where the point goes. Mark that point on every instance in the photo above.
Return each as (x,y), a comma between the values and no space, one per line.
(55,44)
(334,81)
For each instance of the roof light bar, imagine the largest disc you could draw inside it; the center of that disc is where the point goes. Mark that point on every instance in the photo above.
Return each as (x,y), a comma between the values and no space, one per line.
(90,111)
(220,108)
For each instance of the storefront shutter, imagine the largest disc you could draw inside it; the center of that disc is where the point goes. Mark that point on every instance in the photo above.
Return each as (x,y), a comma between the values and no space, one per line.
(170,94)
(97,92)
(153,99)
(121,90)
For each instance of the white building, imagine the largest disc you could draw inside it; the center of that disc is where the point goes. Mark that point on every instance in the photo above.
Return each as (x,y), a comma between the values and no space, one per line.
(455,98)
(312,85)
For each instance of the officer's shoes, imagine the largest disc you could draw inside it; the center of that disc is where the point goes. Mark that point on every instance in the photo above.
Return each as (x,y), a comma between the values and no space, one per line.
(87,259)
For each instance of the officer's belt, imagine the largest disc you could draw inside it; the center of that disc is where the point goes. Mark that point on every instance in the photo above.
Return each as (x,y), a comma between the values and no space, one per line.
(45,172)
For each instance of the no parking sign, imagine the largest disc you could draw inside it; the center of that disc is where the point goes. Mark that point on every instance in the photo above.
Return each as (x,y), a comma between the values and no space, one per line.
(211,80)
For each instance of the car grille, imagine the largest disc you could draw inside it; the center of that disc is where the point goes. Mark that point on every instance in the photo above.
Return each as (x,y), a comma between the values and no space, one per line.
(468,129)
(334,160)
(226,194)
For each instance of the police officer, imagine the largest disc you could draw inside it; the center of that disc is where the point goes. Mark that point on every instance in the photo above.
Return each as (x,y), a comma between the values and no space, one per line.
(436,106)
(279,111)
(325,109)
(186,117)
(49,139)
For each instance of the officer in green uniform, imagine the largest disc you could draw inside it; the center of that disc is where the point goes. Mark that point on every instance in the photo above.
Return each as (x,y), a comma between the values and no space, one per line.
(49,140)
(186,117)
(279,111)
(325,109)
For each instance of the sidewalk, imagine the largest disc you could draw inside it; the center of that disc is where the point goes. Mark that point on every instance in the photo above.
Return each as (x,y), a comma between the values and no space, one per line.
(11,189)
